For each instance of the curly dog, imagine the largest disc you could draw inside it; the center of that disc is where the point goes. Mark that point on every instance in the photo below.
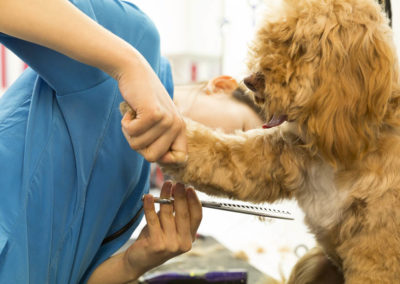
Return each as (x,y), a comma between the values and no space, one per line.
(326,74)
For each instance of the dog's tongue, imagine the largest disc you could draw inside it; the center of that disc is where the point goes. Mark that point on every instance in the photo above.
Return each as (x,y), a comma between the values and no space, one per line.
(275,121)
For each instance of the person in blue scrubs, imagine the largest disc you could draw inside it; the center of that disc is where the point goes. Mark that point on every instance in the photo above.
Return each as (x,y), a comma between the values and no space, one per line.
(69,181)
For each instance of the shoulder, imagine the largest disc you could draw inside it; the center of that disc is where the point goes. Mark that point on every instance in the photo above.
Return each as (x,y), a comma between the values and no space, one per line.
(121,18)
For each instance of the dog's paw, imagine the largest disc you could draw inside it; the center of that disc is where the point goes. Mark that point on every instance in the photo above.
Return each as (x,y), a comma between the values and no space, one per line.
(124,108)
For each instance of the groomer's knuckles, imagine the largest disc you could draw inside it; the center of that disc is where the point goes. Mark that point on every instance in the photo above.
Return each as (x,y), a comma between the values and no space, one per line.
(174,123)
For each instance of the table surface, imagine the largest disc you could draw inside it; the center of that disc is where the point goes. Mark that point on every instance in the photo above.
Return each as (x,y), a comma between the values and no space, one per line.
(208,255)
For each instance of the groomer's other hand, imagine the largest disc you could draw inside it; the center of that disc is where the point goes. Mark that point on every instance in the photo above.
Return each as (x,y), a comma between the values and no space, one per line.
(157,131)
(166,234)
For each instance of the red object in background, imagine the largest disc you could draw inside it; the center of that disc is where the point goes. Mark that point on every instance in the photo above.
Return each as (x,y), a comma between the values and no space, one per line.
(24,66)
(3,66)
(194,72)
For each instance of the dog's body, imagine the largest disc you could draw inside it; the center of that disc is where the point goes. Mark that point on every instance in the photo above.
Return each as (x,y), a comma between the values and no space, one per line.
(329,68)
(354,214)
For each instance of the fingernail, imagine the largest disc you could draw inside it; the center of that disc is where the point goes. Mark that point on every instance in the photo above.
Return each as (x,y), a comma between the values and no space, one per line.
(168,183)
(148,200)
(167,189)
(191,193)
(180,188)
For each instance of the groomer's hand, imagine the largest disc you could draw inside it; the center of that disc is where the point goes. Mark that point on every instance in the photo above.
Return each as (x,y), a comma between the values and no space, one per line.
(166,234)
(157,131)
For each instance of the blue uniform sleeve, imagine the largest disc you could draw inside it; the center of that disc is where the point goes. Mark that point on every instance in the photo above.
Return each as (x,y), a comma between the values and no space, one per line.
(66,75)
(69,142)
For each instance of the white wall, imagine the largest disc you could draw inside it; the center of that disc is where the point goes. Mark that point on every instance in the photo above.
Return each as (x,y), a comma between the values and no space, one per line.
(197,31)
(14,67)
(213,30)
(183,24)
(396,23)
(192,34)
(242,22)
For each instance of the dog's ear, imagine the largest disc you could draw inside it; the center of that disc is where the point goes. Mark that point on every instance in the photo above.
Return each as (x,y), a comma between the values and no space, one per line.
(353,85)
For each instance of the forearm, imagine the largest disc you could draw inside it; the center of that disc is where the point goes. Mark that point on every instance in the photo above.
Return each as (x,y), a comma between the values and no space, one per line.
(114,270)
(59,25)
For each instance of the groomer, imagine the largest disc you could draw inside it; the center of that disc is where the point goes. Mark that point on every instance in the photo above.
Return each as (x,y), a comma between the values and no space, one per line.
(69,180)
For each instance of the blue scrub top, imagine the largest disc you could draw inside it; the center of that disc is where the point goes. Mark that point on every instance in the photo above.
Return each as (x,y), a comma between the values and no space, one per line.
(68,178)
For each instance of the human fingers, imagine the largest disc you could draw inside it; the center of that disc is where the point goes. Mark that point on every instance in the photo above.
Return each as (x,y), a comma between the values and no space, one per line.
(153,152)
(160,146)
(158,140)
(147,138)
(178,149)
(153,222)
(195,211)
(182,217)
(167,210)
(144,120)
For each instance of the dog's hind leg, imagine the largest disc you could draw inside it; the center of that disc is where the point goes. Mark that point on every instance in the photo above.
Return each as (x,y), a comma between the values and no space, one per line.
(315,268)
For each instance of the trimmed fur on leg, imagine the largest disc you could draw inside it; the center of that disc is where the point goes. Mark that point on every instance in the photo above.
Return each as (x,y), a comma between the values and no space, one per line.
(221,164)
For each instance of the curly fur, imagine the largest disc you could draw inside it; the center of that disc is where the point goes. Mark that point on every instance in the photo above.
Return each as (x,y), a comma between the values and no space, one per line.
(330,68)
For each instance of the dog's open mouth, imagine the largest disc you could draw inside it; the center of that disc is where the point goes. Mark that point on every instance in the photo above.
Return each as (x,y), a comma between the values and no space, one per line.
(275,120)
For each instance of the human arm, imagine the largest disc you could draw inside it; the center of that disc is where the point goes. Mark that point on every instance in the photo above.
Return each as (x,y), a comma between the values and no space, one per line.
(60,26)
(165,236)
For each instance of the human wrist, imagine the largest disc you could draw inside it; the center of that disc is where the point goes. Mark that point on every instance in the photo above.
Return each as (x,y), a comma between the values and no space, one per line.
(114,271)
(132,270)
(123,61)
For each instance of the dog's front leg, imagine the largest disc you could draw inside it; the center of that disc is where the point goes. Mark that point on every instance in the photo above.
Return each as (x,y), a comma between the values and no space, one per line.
(257,165)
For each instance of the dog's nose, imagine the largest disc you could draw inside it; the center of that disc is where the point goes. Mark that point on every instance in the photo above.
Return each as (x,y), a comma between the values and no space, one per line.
(248,81)
(255,82)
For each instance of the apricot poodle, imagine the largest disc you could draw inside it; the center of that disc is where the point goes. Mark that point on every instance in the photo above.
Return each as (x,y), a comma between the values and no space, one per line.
(326,74)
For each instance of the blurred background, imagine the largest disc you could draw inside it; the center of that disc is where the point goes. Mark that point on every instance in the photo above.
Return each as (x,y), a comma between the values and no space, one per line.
(203,39)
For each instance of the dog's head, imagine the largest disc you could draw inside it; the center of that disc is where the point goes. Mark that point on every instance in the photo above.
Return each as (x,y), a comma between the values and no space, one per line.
(330,66)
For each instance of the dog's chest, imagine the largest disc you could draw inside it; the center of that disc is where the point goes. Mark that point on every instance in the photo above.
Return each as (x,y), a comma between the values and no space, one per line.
(321,201)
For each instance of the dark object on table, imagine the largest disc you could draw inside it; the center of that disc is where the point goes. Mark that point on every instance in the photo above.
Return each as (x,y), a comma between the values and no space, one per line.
(207,255)
(220,277)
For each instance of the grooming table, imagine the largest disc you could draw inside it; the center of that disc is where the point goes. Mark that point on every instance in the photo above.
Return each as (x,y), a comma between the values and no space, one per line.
(206,255)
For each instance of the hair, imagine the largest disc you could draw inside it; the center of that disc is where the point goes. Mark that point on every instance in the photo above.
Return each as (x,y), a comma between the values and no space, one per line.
(335,73)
